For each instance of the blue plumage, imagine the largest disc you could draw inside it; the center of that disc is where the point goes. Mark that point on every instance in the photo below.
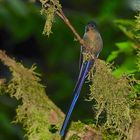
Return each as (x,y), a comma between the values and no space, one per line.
(83,73)
(89,53)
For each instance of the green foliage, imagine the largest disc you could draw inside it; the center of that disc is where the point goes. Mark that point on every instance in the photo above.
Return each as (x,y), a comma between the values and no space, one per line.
(137,26)
(131,65)
(125,52)
(123,47)
(127,26)
(110,96)
(20,19)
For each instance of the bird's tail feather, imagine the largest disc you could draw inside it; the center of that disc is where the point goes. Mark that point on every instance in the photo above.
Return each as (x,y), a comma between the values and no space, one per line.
(83,73)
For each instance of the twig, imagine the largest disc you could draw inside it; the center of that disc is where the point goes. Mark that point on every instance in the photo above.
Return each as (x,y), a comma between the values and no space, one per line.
(66,20)
(61,14)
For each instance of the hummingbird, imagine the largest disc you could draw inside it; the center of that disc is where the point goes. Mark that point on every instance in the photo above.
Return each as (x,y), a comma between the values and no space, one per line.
(93,45)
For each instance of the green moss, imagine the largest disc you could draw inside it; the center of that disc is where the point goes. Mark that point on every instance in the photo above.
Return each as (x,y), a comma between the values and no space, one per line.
(31,113)
(110,95)
(53,128)
(37,113)
(107,135)
(77,126)
(74,137)
(2,86)
(49,12)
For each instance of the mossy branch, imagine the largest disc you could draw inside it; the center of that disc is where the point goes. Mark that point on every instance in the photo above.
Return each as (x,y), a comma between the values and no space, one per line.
(110,94)
(40,117)
(52,8)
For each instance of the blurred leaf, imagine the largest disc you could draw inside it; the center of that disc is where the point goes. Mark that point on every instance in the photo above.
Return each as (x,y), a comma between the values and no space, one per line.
(123,47)
(109,9)
(127,27)
(137,27)
(126,47)
(18,6)
(112,56)
(128,67)
(19,18)
(123,70)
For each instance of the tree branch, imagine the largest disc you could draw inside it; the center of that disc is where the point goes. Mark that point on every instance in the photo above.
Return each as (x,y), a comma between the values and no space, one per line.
(40,117)
(61,14)
(66,20)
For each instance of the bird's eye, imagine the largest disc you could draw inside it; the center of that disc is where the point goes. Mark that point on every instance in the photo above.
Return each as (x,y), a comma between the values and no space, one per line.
(93,25)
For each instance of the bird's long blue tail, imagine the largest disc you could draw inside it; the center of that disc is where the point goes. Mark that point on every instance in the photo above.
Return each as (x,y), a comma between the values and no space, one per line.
(83,73)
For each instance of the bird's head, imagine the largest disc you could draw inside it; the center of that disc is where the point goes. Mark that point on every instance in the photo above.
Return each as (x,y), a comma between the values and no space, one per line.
(90,26)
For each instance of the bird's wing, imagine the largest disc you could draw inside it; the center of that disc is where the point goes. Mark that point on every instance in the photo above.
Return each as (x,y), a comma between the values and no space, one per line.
(81,58)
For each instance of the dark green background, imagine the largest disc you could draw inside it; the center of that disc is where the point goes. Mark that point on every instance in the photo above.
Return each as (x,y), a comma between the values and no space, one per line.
(56,57)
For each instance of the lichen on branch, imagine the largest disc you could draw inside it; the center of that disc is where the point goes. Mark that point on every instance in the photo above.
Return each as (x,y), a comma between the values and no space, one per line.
(37,112)
(40,117)
(49,9)
(110,95)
